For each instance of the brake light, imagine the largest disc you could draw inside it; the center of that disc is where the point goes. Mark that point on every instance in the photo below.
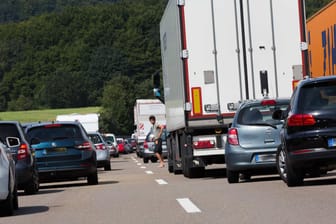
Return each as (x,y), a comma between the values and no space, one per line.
(302,151)
(232,136)
(301,120)
(145,145)
(52,125)
(22,152)
(84,146)
(268,102)
(100,146)
(204,144)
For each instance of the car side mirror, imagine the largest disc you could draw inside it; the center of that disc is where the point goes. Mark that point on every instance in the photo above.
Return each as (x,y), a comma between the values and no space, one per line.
(278,115)
(12,142)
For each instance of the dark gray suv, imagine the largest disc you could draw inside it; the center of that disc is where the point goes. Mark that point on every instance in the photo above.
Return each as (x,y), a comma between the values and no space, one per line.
(24,157)
(308,138)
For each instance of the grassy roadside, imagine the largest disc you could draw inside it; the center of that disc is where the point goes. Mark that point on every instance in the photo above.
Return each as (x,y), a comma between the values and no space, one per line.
(43,115)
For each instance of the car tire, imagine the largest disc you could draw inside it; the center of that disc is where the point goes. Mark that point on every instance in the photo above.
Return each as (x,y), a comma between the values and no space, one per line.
(33,186)
(232,176)
(15,199)
(154,160)
(92,179)
(107,167)
(145,160)
(7,206)
(292,177)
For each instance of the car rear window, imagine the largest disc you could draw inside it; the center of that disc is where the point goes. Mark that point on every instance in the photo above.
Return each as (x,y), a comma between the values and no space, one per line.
(7,130)
(54,132)
(318,96)
(95,138)
(260,114)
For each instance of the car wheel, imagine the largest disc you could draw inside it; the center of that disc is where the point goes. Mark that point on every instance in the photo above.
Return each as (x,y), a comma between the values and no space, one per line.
(7,206)
(154,160)
(33,186)
(107,166)
(15,199)
(292,177)
(92,179)
(232,176)
(145,160)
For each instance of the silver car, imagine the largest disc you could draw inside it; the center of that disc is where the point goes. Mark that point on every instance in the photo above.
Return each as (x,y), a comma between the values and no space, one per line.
(8,189)
(148,148)
(253,139)
(102,150)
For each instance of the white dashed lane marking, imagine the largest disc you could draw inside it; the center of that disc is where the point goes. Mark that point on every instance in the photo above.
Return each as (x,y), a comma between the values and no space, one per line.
(161,181)
(143,167)
(149,172)
(188,206)
(139,164)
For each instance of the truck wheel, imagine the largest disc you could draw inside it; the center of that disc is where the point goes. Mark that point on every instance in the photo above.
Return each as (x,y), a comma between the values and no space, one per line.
(232,176)
(145,160)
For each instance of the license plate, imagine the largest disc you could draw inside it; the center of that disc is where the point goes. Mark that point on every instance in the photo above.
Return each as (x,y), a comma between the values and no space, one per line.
(331,142)
(265,158)
(57,150)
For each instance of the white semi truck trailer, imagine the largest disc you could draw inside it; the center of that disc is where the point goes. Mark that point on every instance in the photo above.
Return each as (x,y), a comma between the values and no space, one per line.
(216,53)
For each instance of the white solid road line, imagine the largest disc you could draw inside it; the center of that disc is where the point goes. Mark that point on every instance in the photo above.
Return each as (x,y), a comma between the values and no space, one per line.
(188,206)
(161,181)
(149,172)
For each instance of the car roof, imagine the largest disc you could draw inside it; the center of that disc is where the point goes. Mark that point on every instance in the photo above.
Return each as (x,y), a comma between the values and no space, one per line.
(259,101)
(39,124)
(316,80)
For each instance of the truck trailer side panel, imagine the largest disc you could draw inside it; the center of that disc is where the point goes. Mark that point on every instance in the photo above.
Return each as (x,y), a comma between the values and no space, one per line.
(321,29)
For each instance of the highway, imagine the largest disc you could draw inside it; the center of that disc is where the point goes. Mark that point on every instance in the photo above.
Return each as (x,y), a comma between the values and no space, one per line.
(134,192)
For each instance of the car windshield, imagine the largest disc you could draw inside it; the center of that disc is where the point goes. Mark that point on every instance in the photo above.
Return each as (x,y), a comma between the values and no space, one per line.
(53,132)
(260,114)
(95,138)
(317,96)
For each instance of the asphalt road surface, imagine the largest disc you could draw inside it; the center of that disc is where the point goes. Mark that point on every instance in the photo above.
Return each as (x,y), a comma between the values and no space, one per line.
(139,193)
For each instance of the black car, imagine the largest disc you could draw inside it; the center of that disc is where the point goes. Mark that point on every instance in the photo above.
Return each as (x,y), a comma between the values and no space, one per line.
(25,163)
(308,138)
(63,151)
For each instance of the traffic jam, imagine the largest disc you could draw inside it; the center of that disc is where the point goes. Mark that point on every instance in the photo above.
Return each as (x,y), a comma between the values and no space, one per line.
(257,97)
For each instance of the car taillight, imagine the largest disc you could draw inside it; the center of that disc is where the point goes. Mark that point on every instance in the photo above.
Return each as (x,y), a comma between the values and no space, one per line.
(232,136)
(145,145)
(22,152)
(204,144)
(301,120)
(100,146)
(84,146)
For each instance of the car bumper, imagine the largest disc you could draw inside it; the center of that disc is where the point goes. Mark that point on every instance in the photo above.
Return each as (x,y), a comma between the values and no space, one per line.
(238,159)
(150,154)
(319,157)
(24,173)
(50,173)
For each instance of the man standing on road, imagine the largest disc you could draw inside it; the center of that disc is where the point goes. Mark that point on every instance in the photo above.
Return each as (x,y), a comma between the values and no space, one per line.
(156,131)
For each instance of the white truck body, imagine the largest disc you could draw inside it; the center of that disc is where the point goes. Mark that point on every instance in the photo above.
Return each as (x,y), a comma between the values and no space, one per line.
(90,122)
(213,52)
(143,108)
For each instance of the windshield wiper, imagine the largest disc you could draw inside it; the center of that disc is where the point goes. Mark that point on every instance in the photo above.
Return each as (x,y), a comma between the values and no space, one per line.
(263,124)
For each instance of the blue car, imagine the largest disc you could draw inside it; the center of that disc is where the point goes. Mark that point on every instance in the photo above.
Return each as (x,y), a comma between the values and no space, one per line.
(253,139)
(63,151)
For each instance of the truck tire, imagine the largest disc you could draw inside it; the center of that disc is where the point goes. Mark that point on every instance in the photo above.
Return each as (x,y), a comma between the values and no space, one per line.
(170,156)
